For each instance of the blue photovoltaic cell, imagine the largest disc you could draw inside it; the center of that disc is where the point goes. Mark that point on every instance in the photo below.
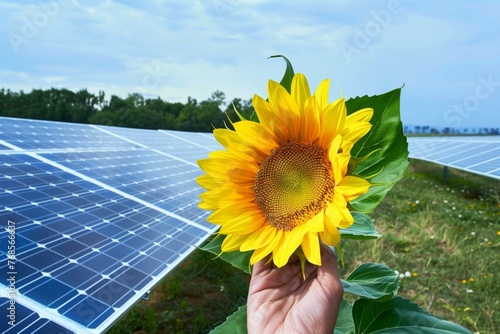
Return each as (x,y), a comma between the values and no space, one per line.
(202,139)
(474,154)
(152,177)
(489,166)
(101,215)
(462,152)
(143,137)
(26,321)
(69,237)
(30,134)
(479,155)
(436,149)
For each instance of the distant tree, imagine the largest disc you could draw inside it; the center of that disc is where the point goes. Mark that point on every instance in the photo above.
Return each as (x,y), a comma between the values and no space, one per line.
(60,104)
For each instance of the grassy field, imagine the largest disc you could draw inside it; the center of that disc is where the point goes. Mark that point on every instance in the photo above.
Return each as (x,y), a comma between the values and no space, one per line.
(444,239)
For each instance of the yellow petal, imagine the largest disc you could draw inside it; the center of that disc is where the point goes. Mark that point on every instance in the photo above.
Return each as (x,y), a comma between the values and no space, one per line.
(209,182)
(333,150)
(321,93)
(355,133)
(271,88)
(262,252)
(340,165)
(256,135)
(289,243)
(300,89)
(352,187)
(316,224)
(232,243)
(310,127)
(331,236)
(235,211)
(287,112)
(263,110)
(332,122)
(245,225)
(310,247)
(260,238)
(362,115)
(338,213)
(232,142)
(221,197)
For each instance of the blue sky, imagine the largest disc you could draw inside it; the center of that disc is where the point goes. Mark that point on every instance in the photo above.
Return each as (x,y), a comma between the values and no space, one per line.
(447,54)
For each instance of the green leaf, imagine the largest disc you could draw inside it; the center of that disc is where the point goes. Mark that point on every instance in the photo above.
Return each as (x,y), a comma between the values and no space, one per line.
(372,281)
(399,315)
(361,229)
(388,163)
(236,323)
(240,260)
(344,324)
(288,76)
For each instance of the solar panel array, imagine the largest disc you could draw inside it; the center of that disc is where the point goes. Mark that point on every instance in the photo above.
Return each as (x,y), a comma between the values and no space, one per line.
(93,217)
(478,154)
(96,216)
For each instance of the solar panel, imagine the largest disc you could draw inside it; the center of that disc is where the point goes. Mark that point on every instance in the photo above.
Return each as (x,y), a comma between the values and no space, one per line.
(101,215)
(475,154)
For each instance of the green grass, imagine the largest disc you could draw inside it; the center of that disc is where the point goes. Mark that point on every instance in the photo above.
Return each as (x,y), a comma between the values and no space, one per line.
(446,235)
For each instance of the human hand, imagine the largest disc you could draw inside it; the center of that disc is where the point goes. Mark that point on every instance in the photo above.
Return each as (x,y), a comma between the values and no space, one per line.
(281,301)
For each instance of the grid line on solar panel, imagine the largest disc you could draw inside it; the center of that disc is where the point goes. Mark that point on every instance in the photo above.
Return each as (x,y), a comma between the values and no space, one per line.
(142,174)
(35,134)
(44,238)
(140,137)
(431,148)
(460,153)
(119,192)
(27,321)
(192,138)
(67,217)
(478,155)
(174,154)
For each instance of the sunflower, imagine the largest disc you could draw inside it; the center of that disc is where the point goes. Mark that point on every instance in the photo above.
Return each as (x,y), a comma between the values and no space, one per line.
(281,184)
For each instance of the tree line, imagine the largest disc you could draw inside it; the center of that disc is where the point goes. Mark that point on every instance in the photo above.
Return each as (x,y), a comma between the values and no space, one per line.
(134,111)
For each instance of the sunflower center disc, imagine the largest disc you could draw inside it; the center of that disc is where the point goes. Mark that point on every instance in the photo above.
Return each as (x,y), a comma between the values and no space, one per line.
(293,184)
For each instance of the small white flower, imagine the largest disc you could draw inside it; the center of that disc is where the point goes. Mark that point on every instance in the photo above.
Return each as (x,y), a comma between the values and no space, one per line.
(445,201)
(397,272)
(401,276)
(432,237)
(470,291)
(407,274)
(417,201)
(221,288)
(473,234)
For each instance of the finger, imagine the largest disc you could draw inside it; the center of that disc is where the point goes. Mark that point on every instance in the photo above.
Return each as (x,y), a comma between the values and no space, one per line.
(329,269)
(261,266)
